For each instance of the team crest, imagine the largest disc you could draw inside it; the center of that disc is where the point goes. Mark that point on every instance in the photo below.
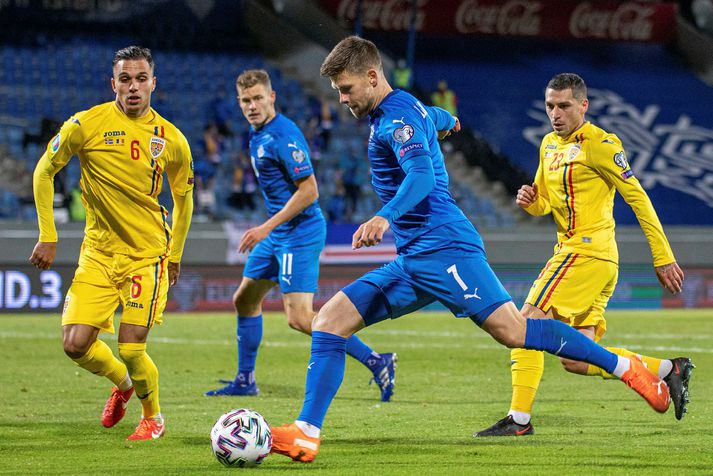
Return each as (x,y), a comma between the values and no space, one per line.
(573,152)
(260,151)
(403,134)
(620,160)
(298,156)
(156,146)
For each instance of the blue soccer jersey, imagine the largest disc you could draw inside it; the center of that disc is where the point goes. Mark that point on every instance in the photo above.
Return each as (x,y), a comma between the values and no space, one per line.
(441,255)
(280,155)
(403,140)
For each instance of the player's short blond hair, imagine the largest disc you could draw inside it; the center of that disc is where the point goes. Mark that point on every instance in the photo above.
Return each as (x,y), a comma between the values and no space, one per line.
(351,55)
(251,77)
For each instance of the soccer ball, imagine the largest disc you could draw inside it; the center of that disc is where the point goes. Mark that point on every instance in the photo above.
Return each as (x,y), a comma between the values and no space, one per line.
(241,438)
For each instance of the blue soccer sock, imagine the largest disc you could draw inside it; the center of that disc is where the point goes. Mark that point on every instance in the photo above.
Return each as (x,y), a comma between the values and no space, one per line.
(249,334)
(325,373)
(359,350)
(565,341)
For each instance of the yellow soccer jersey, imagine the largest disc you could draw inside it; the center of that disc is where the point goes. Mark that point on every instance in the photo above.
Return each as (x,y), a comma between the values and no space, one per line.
(576,178)
(122,161)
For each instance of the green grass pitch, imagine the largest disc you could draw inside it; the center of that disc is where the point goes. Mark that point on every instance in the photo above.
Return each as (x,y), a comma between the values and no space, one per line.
(452,380)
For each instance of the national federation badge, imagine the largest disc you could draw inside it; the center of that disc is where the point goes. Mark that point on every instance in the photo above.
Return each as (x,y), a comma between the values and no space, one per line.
(573,152)
(156,146)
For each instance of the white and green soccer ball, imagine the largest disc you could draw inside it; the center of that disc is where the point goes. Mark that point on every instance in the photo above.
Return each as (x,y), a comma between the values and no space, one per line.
(241,438)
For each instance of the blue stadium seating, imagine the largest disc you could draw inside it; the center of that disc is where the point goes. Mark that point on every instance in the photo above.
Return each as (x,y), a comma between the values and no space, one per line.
(60,79)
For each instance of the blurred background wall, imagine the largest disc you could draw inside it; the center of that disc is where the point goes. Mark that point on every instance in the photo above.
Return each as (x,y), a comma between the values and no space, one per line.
(648,65)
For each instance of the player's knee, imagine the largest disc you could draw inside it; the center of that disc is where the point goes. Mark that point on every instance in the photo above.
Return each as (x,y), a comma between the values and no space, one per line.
(244,304)
(321,321)
(301,321)
(75,349)
(318,322)
(236,299)
(510,337)
(239,301)
(510,341)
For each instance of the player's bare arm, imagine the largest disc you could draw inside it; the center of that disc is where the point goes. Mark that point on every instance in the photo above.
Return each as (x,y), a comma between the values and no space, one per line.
(670,276)
(527,195)
(370,233)
(43,254)
(303,197)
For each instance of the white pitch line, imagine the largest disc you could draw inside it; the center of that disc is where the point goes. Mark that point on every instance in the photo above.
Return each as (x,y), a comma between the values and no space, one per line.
(305,343)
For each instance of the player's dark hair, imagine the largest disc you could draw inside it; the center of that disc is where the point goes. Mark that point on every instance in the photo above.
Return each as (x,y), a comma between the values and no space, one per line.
(351,55)
(133,53)
(571,81)
(251,77)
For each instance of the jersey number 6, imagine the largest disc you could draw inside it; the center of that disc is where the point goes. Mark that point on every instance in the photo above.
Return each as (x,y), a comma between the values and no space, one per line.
(135,286)
(135,151)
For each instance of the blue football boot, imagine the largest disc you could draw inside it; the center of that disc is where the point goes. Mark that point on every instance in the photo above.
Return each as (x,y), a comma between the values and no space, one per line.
(384,370)
(243,385)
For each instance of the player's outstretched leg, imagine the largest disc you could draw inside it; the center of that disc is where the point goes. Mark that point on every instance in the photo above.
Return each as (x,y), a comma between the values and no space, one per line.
(507,427)
(115,407)
(677,381)
(562,340)
(291,441)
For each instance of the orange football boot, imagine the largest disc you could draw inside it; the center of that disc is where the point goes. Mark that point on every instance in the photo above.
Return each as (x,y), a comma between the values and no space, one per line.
(148,429)
(290,440)
(116,406)
(650,386)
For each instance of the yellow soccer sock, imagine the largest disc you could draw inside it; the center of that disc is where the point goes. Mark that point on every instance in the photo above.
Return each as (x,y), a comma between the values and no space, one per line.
(526,370)
(100,360)
(144,374)
(651,363)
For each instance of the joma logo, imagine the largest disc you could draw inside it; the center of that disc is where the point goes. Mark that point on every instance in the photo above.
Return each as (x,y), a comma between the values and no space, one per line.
(114,133)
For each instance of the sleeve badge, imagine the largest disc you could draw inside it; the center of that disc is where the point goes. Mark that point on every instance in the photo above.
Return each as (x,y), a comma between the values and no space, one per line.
(54,145)
(403,134)
(620,160)
(298,156)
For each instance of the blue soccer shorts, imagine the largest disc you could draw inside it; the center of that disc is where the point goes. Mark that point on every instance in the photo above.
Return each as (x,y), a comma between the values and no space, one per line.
(293,264)
(460,279)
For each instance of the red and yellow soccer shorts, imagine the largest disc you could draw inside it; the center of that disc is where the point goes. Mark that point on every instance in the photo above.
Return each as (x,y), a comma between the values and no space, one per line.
(577,289)
(103,281)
